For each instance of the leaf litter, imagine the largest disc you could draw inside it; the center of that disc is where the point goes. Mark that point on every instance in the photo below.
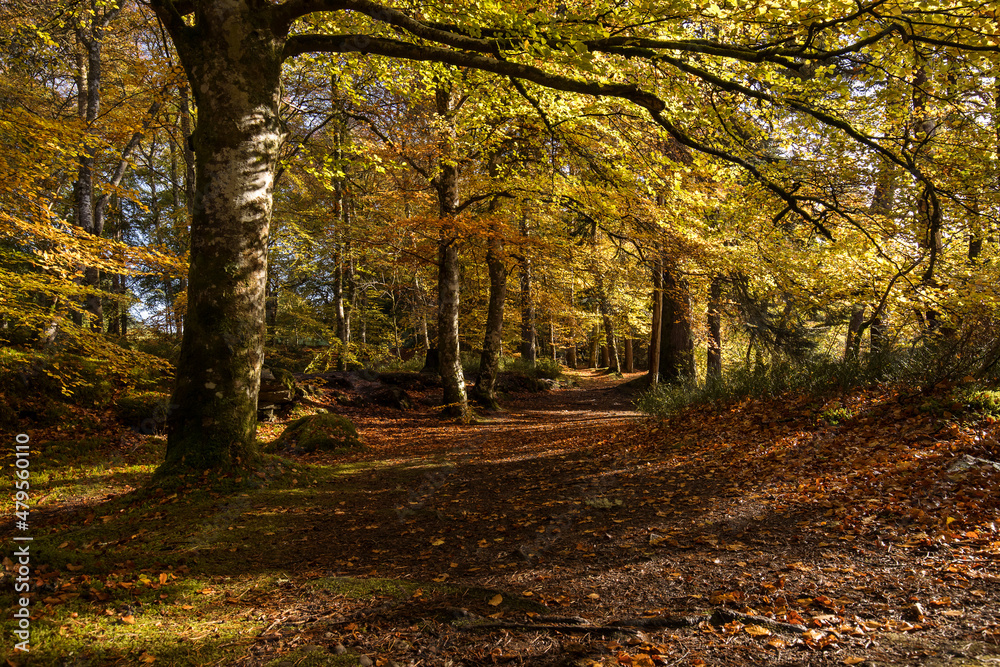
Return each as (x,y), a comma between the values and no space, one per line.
(570,531)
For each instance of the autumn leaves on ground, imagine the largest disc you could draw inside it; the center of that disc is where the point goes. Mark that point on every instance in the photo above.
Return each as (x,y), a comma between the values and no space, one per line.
(566,530)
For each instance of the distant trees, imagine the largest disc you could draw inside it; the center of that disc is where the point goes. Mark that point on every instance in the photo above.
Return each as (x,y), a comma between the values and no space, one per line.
(708,180)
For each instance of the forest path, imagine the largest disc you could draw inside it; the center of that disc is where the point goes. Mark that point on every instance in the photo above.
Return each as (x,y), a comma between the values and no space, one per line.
(571,500)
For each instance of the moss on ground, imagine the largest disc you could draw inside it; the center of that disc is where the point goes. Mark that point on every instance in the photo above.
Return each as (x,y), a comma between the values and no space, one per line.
(320,432)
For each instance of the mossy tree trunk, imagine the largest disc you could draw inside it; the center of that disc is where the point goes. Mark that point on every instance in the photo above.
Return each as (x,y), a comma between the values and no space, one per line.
(233,61)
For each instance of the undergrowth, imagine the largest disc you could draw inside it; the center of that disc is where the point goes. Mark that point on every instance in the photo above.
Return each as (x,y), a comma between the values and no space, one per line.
(822,375)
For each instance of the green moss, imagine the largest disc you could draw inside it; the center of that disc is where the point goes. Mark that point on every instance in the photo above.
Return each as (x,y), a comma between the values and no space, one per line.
(314,656)
(321,432)
(146,411)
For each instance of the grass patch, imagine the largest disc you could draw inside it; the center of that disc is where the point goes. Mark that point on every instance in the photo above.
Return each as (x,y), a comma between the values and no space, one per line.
(128,569)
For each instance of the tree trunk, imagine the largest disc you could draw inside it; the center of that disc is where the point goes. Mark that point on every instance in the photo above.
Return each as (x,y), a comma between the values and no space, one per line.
(552,339)
(676,342)
(489,362)
(656,327)
(853,339)
(713,366)
(571,356)
(611,363)
(446,185)
(233,61)
(449,360)
(529,348)
(629,356)
(595,342)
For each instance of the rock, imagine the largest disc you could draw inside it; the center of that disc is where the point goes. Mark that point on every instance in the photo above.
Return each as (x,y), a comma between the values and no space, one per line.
(393,397)
(340,649)
(278,392)
(365,661)
(966,463)
(320,432)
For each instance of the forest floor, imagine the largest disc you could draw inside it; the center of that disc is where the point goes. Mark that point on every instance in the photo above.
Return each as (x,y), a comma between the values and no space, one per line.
(565,530)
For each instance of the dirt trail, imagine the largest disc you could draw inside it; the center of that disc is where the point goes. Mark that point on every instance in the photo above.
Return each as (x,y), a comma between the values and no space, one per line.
(571,500)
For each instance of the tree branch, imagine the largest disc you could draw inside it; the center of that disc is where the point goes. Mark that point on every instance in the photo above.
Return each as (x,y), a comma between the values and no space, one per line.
(397,49)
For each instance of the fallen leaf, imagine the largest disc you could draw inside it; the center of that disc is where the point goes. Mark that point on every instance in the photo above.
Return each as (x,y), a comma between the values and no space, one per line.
(128,620)
(496,600)
(757,631)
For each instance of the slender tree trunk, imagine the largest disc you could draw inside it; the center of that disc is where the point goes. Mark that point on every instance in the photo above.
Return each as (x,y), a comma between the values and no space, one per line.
(713,367)
(489,362)
(446,186)
(552,339)
(571,355)
(595,342)
(529,348)
(656,327)
(88,106)
(612,362)
(629,356)
(234,62)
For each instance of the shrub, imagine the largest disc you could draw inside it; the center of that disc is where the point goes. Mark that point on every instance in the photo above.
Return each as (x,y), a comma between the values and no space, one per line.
(835,416)
(983,401)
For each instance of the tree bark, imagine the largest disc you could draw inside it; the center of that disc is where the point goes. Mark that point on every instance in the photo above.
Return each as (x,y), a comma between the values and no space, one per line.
(571,356)
(676,341)
(629,356)
(233,61)
(595,342)
(489,362)
(529,346)
(656,327)
(713,366)
(853,339)
(449,286)
(612,361)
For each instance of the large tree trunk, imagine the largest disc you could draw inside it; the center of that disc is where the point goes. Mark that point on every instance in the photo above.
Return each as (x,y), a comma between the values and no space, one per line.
(233,62)
(713,366)
(676,341)
(489,361)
